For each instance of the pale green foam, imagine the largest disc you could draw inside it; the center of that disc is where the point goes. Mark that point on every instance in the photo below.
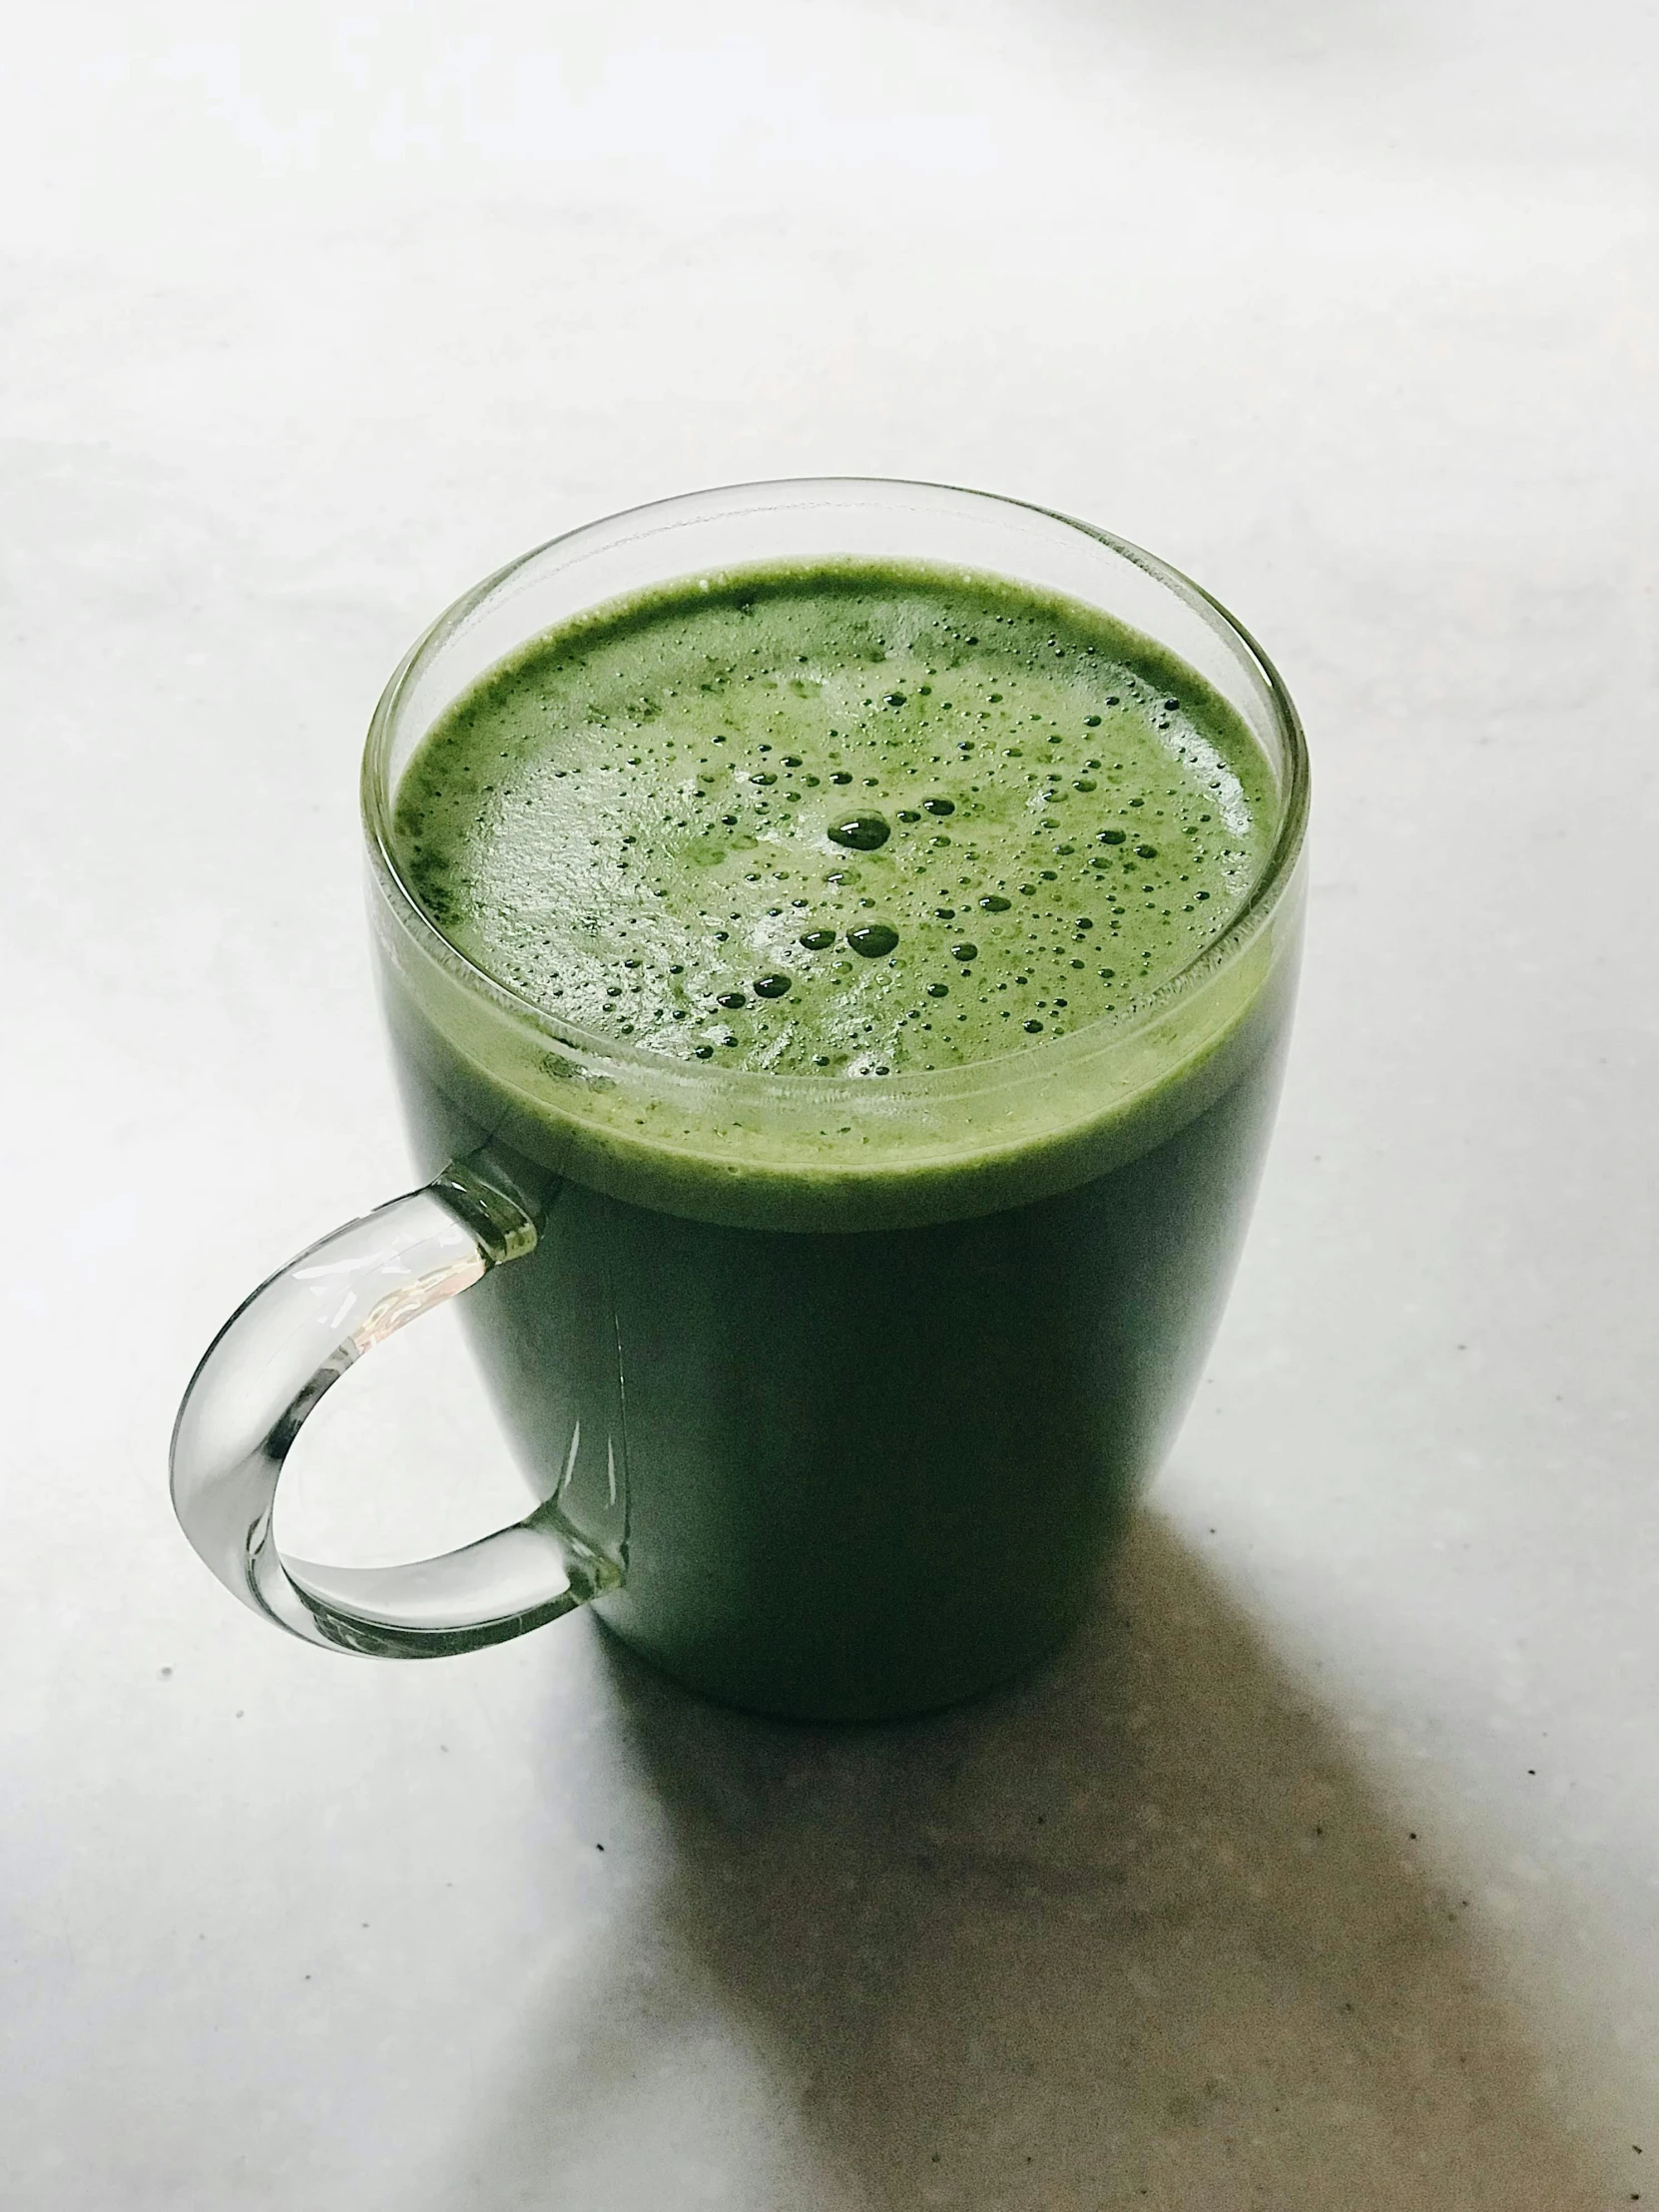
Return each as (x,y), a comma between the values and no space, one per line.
(634,819)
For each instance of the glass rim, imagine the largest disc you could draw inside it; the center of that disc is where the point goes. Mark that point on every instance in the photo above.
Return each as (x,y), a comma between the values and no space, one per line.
(1021,1064)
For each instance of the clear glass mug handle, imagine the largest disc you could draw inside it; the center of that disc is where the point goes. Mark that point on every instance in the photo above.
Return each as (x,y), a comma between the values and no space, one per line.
(265,1371)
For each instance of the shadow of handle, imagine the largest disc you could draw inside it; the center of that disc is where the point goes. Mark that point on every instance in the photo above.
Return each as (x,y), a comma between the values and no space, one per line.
(269,1367)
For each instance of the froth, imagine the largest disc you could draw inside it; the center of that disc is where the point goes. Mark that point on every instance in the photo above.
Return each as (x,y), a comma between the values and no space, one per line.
(850,821)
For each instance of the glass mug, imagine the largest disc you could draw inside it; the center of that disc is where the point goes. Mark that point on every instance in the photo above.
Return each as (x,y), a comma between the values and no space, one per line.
(820,1441)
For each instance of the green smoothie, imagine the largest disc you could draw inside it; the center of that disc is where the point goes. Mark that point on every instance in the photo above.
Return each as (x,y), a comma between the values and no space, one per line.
(892,1127)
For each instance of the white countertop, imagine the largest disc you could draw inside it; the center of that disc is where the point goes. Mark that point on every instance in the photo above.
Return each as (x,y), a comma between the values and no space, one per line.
(1321,1872)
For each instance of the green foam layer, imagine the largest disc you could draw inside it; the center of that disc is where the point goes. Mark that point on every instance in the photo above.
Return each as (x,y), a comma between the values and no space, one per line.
(617,823)
(845,820)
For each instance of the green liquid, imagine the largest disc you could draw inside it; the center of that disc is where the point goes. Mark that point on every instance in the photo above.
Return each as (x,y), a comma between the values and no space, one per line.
(859,823)
(855,1362)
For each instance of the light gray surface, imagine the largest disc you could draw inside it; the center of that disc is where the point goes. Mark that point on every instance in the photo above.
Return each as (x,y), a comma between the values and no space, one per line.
(1322,1872)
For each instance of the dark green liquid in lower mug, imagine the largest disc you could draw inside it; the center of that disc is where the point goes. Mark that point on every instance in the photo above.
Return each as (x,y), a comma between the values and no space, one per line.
(857,1471)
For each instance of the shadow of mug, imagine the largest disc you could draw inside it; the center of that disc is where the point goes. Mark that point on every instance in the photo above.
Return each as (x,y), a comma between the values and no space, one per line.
(1132,1933)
